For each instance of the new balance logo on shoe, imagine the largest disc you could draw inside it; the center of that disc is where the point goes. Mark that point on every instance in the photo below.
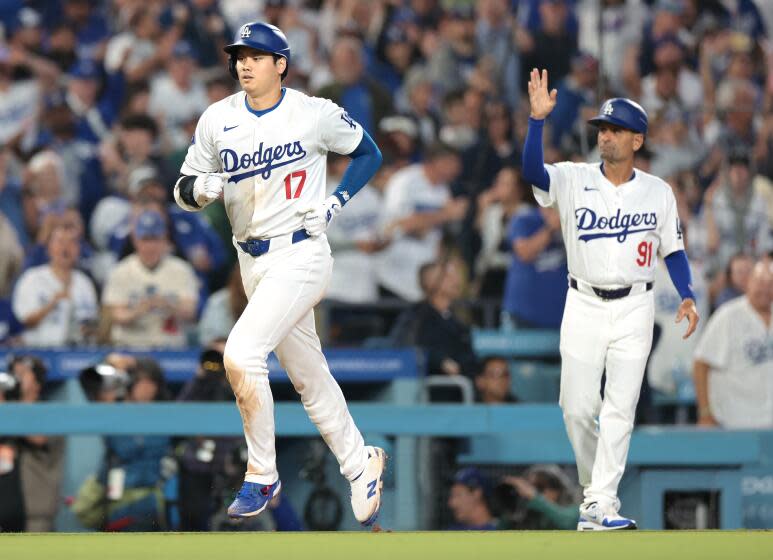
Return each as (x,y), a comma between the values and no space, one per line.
(372,488)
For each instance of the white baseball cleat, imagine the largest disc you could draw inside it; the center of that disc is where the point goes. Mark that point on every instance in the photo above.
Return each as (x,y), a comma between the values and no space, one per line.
(593,518)
(368,486)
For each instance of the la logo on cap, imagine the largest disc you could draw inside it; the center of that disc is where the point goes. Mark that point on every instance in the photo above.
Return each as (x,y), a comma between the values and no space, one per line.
(246,31)
(608,108)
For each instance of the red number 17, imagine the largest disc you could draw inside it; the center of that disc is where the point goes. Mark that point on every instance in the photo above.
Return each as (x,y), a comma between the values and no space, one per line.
(645,253)
(288,185)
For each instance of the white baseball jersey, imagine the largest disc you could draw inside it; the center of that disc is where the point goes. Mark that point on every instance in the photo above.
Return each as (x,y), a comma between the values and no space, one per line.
(612,234)
(738,347)
(277,160)
(36,288)
(409,192)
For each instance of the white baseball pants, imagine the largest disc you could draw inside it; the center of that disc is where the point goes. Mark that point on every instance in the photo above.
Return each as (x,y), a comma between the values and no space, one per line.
(597,335)
(282,287)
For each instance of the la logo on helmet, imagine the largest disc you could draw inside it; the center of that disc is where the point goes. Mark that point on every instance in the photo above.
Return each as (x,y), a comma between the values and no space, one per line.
(246,31)
(608,108)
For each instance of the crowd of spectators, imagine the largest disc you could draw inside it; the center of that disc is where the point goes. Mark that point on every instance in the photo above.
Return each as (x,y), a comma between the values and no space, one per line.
(98,101)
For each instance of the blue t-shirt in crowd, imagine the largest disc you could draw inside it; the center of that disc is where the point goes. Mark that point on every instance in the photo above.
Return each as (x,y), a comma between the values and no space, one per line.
(535,292)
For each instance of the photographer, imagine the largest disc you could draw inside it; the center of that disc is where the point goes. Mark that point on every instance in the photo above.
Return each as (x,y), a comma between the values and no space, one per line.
(209,467)
(12,515)
(126,494)
(41,458)
(539,500)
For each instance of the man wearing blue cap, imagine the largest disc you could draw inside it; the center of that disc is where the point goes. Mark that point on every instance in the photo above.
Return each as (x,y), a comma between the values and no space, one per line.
(468,502)
(151,295)
(615,220)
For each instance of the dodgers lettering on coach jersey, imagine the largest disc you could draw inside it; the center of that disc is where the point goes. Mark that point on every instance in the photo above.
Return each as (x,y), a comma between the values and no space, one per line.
(612,234)
(276,160)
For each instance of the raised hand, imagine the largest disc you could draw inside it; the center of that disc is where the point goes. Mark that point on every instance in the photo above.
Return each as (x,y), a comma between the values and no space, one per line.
(540,100)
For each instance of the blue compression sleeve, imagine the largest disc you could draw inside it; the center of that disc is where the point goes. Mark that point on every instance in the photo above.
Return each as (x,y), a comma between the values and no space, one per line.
(533,167)
(366,159)
(679,270)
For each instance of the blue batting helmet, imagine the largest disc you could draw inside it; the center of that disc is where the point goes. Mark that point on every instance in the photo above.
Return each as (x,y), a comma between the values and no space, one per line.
(260,36)
(624,113)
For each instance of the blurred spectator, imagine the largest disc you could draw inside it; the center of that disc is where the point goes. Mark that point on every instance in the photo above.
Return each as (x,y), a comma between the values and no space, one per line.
(41,458)
(19,99)
(396,53)
(494,31)
(620,26)
(417,204)
(94,113)
(551,45)
(85,20)
(192,236)
(42,190)
(354,241)
(56,303)
(575,102)
(493,382)
(468,502)
(535,292)
(144,47)
(417,103)
(69,219)
(151,296)
(737,272)
(451,65)
(735,213)
(353,89)
(734,359)
(495,208)
(671,84)
(204,28)
(12,515)
(398,141)
(222,310)
(548,500)
(177,96)
(132,471)
(431,326)
(459,129)
(133,147)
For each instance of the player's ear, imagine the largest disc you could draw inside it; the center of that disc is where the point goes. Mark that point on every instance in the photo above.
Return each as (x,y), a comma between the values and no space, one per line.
(638,141)
(281,65)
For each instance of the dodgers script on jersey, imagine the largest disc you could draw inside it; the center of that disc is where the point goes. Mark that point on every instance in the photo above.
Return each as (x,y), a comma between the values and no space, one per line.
(612,234)
(273,166)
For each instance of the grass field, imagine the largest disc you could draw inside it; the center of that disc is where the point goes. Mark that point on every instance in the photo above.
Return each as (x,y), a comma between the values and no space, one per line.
(650,545)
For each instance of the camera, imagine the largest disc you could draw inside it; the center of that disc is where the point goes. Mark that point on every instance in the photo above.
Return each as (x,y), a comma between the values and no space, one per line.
(103,382)
(9,386)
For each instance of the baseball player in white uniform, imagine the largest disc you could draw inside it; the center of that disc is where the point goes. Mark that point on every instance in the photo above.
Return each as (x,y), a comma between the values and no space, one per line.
(615,220)
(263,151)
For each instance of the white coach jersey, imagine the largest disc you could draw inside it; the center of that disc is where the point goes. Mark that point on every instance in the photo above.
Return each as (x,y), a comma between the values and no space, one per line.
(277,160)
(612,234)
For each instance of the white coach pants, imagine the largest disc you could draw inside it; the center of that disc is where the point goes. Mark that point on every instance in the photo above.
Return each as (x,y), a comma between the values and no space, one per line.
(282,287)
(597,334)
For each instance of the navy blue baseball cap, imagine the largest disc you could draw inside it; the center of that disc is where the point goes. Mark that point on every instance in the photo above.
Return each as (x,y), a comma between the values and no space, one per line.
(183,49)
(149,224)
(471,477)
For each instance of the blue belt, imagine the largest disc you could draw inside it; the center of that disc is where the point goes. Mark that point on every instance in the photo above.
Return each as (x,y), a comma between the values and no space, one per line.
(258,247)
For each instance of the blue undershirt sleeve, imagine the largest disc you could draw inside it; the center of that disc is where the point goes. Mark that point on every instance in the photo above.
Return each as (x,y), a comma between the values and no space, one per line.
(679,270)
(366,159)
(533,167)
